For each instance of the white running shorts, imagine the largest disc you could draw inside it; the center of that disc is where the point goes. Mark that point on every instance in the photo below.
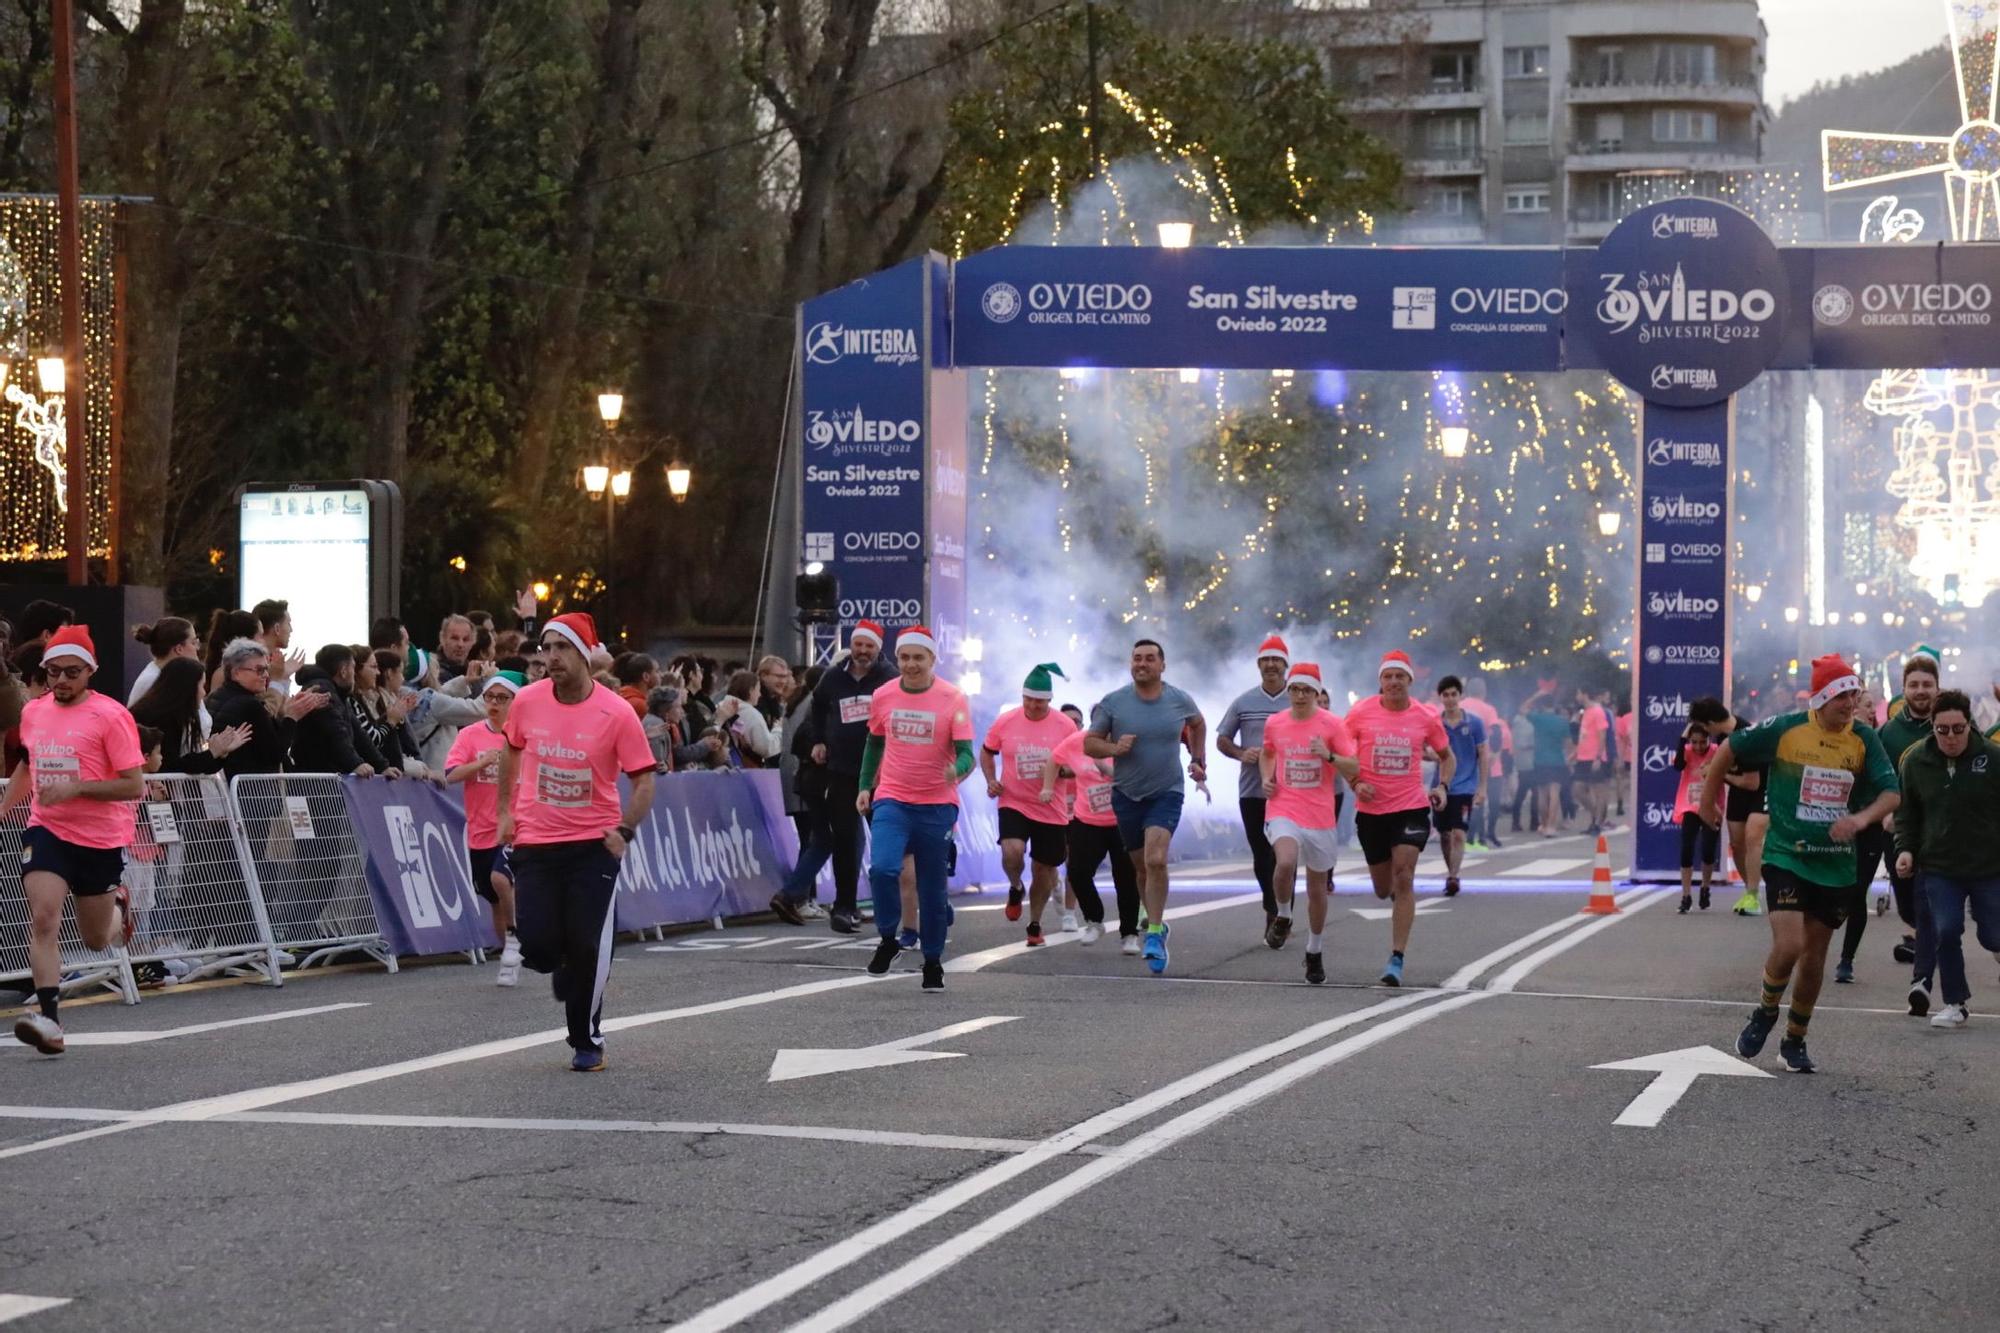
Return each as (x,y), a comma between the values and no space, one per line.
(1316,845)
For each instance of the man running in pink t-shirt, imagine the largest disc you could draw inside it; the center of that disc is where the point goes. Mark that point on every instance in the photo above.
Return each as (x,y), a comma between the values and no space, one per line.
(1303,748)
(1014,761)
(82,769)
(1591,769)
(568,740)
(1392,735)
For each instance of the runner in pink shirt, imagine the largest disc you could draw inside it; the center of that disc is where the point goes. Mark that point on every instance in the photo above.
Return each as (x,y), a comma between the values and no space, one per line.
(1014,761)
(475,762)
(919,750)
(1093,836)
(568,739)
(1392,735)
(82,769)
(1592,766)
(1303,748)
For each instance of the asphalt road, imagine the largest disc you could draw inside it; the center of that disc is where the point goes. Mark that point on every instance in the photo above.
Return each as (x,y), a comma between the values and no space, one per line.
(1222,1147)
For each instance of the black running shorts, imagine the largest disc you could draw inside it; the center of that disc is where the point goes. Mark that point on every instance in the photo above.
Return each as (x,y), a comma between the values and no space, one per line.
(1048,844)
(1379,835)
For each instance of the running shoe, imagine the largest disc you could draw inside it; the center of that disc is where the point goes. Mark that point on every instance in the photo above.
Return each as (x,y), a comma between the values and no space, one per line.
(1755,1033)
(1494,844)
(587,1062)
(1747,905)
(1128,945)
(510,965)
(1035,938)
(1092,933)
(934,975)
(44,1034)
(909,938)
(885,954)
(812,911)
(1315,970)
(1156,950)
(1843,972)
(786,910)
(127,927)
(1792,1052)
(1686,903)
(843,923)
(1392,975)
(1951,1016)
(1014,897)
(1070,919)
(1278,931)
(1920,997)
(1704,899)
(1451,886)
(1905,950)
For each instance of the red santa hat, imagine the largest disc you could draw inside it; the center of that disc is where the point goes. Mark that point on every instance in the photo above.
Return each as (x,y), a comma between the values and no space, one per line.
(865,629)
(71,641)
(578,628)
(916,636)
(1396,660)
(1831,678)
(1274,646)
(1304,673)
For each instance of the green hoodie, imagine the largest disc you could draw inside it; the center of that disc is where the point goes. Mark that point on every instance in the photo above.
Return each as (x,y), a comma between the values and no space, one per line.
(1950,815)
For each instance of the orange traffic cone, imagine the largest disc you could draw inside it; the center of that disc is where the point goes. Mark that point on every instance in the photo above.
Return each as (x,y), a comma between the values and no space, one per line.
(1601,902)
(1735,871)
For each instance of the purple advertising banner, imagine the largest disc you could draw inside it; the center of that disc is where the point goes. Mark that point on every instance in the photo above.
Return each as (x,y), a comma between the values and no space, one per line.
(1681,648)
(412,838)
(714,844)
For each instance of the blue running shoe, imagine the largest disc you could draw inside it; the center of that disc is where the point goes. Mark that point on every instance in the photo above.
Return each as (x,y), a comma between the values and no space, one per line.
(1392,975)
(1755,1033)
(1156,950)
(908,939)
(587,1062)
(1792,1050)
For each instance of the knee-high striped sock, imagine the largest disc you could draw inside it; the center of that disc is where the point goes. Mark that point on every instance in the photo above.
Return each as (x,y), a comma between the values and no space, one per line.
(1774,990)
(1796,1020)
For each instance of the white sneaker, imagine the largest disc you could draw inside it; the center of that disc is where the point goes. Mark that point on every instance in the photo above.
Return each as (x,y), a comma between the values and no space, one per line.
(44,1034)
(812,911)
(1129,946)
(1951,1016)
(510,967)
(1092,933)
(1070,920)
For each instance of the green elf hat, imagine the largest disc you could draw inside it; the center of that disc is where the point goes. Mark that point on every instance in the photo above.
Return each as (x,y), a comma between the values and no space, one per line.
(1927,653)
(415,665)
(1038,685)
(511,681)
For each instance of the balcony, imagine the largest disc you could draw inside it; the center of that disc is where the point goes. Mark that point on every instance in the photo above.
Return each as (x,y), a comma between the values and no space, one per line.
(1585,90)
(1438,229)
(1438,95)
(1642,153)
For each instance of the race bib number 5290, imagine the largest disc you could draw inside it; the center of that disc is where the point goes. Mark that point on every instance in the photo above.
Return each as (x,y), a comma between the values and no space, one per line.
(566,787)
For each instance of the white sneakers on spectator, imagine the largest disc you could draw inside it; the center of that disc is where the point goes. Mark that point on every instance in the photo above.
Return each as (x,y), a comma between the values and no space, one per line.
(1092,933)
(1070,919)
(1951,1016)
(510,964)
(812,911)
(1129,946)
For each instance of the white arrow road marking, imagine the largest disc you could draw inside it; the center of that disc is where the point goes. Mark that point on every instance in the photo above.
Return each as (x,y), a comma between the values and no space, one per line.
(19,1307)
(161,1034)
(1425,907)
(1677,1072)
(809,1063)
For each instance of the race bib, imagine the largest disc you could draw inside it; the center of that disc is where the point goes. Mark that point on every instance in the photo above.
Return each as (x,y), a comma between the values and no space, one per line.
(912,726)
(1030,762)
(53,768)
(569,788)
(1303,773)
(1393,756)
(1824,794)
(1099,799)
(489,772)
(854,708)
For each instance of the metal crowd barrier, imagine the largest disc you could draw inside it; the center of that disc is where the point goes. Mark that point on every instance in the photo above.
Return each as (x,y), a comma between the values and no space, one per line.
(299,852)
(82,969)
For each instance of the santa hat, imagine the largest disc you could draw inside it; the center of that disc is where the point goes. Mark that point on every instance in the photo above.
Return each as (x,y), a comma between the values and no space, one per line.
(1038,685)
(916,636)
(1304,673)
(71,641)
(1396,660)
(511,681)
(1831,678)
(1274,647)
(578,628)
(865,629)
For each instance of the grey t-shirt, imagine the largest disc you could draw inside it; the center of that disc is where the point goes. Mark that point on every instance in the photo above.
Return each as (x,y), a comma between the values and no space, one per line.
(1244,724)
(1154,766)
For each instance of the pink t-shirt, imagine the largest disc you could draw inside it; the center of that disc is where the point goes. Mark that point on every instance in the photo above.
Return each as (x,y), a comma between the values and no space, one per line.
(1622,731)
(1304,781)
(1592,730)
(1687,798)
(920,733)
(1391,746)
(1024,748)
(482,789)
(1496,732)
(91,740)
(1090,799)
(566,788)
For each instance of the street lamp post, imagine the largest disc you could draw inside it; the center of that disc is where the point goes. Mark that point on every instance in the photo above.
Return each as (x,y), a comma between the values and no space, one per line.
(613,484)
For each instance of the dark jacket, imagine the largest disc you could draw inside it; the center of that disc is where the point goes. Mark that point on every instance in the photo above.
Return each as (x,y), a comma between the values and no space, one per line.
(270,745)
(184,751)
(845,741)
(1950,815)
(328,739)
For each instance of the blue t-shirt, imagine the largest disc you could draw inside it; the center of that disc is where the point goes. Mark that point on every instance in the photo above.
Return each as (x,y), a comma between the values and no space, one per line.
(1466,738)
(1154,765)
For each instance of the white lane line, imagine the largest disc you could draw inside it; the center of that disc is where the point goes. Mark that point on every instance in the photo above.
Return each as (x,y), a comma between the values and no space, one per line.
(135,1038)
(1464,977)
(19,1307)
(1543,868)
(940,1257)
(863,1244)
(1513,976)
(979,962)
